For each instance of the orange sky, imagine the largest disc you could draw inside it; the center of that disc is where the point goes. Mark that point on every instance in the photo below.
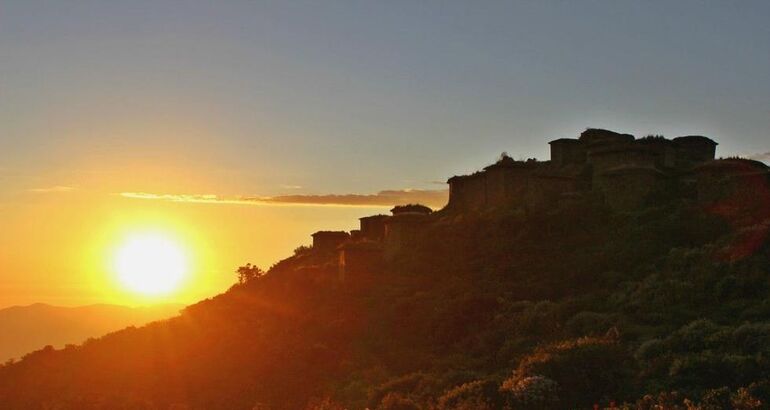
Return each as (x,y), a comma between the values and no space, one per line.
(56,245)
(66,208)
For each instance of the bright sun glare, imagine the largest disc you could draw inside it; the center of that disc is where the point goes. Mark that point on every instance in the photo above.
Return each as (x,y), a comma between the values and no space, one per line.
(150,264)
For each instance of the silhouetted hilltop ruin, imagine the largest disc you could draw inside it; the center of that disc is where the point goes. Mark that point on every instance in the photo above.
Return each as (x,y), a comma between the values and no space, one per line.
(600,169)
(600,165)
(328,241)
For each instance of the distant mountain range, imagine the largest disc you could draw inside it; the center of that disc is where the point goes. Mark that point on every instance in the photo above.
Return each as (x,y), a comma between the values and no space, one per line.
(27,328)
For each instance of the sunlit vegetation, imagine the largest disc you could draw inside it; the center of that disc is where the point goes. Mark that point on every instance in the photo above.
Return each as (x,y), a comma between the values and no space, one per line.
(547,310)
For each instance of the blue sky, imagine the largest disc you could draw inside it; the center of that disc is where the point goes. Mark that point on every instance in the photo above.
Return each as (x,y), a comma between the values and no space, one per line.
(293,93)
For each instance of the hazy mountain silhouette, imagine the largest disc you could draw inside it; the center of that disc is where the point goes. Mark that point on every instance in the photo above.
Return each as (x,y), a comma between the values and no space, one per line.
(28,328)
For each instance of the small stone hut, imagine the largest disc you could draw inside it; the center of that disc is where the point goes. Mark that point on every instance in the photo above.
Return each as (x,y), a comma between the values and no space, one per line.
(694,149)
(373,227)
(328,241)
(565,151)
(403,228)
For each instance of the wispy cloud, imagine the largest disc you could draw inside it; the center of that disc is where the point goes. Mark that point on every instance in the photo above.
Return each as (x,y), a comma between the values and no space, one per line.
(287,186)
(190,198)
(53,189)
(431,198)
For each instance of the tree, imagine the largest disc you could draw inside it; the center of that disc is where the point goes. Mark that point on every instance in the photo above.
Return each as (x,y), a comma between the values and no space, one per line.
(248,272)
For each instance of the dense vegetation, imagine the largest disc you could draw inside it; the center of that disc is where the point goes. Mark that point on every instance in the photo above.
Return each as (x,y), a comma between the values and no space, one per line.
(554,309)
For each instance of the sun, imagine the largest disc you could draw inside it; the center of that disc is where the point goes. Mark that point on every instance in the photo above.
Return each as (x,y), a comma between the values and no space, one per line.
(150,264)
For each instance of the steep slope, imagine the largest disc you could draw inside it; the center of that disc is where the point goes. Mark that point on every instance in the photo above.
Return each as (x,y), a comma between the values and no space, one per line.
(586,306)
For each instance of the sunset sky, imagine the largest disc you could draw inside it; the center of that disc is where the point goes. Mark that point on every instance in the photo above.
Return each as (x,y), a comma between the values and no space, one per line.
(236,129)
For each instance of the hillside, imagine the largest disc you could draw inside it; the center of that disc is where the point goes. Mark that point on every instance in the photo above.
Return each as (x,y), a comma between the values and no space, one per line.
(550,309)
(28,328)
(623,270)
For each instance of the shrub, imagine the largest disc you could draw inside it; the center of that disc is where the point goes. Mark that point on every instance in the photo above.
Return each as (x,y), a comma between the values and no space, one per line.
(716,399)
(589,323)
(650,350)
(744,400)
(396,401)
(586,369)
(476,395)
(533,392)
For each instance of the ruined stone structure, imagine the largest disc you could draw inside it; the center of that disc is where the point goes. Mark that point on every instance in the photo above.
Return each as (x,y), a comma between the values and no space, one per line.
(600,167)
(356,235)
(380,238)
(373,227)
(359,258)
(732,180)
(401,232)
(617,168)
(328,241)
(505,183)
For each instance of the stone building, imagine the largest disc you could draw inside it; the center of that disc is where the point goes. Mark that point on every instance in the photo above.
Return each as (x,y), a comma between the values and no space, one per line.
(663,151)
(692,150)
(359,259)
(373,227)
(546,188)
(608,157)
(468,192)
(627,186)
(356,235)
(596,137)
(731,180)
(503,183)
(617,168)
(379,237)
(328,241)
(404,227)
(566,151)
(599,167)
(506,181)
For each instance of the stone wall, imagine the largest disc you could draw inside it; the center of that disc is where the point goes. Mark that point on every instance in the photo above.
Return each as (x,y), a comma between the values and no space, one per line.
(506,186)
(599,160)
(626,188)
(595,137)
(373,227)
(728,179)
(663,150)
(546,189)
(495,187)
(693,149)
(566,151)
(328,241)
(501,184)
(359,259)
(401,232)
(616,156)
(468,191)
